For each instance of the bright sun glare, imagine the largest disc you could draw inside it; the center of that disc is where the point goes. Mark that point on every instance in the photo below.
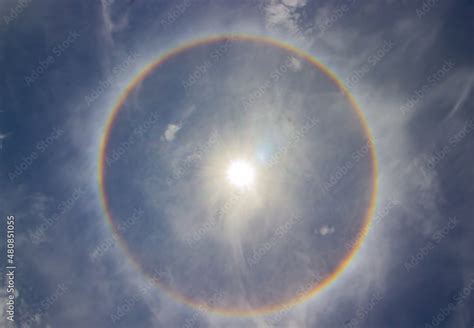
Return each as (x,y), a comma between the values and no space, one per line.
(241,174)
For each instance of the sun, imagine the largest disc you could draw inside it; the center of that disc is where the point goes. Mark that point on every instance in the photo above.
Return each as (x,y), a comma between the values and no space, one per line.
(241,174)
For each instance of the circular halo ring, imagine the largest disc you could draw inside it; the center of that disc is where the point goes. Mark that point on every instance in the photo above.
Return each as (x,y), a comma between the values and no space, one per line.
(267,309)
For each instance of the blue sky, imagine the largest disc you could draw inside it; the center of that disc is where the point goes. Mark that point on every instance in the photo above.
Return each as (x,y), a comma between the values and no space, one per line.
(409,66)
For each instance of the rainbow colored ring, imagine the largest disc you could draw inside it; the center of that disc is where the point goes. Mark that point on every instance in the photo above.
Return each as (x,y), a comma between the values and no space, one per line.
(267,309)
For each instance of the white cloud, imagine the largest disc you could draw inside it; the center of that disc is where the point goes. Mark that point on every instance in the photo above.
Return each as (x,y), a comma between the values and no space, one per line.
(295,3)
(4,135)
(326,230)
(171,131)
(283,14)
